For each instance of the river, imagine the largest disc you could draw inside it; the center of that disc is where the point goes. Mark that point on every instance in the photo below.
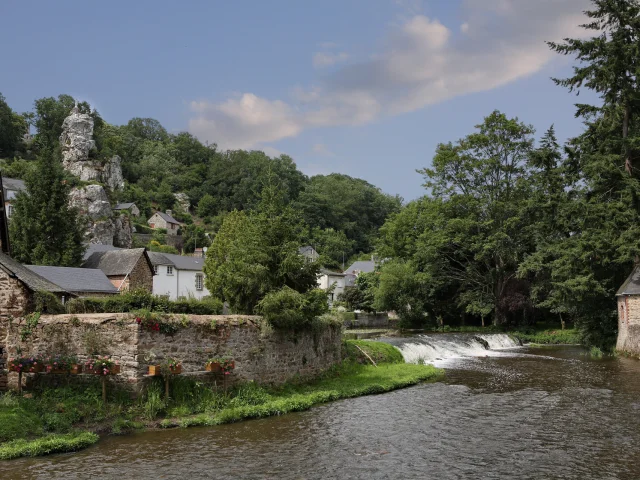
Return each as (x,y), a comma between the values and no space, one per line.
(514,413)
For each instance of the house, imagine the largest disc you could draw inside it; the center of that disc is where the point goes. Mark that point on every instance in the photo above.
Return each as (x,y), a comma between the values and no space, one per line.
(629,314)
(309,253)
(178,276)
(98,247)
(18,284)
(361,266)
(11,187)
(126,269)
(164,220)
(327,279)
(81,282)
(129,207)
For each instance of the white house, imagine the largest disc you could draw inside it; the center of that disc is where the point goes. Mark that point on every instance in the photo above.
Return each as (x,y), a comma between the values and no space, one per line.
(11,188)
(178,276)
(328,278)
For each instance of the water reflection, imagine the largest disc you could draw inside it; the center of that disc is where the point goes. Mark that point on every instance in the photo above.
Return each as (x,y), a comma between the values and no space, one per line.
(550,413)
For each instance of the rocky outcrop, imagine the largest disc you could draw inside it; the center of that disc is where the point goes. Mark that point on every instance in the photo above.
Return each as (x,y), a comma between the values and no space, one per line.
(183,200)
(76,140)
(123,232)
(92,201)
(112,174)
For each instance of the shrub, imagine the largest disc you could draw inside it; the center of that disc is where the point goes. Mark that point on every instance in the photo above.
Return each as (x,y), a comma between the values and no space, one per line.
(143,228)
(136,300)
(289,309)
(46,302)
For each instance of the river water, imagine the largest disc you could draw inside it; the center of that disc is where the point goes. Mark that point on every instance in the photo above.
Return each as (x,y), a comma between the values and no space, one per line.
(514,413)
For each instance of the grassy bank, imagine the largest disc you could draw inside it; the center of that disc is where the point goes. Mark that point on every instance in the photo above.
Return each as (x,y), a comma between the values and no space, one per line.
(66,419)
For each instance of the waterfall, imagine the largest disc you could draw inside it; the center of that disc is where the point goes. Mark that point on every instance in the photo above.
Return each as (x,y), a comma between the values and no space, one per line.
(437,347)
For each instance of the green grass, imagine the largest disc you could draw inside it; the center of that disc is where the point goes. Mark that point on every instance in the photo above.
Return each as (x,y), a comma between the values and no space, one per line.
(378,351)
(48,421)
(548,337)
(70,442)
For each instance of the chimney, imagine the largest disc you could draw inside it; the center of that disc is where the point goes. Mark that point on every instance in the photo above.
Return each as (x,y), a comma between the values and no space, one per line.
(169,212)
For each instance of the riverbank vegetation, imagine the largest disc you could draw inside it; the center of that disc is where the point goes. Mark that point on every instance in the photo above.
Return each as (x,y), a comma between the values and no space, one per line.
(67,418)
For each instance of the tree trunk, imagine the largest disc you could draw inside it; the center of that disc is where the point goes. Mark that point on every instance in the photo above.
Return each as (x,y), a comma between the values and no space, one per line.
(562,322)
(482,317)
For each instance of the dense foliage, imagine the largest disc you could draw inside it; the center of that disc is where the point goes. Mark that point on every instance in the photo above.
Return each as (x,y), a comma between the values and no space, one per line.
(515,232)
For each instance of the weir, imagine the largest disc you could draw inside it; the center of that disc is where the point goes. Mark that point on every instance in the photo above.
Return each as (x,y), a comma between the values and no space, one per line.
(436,347)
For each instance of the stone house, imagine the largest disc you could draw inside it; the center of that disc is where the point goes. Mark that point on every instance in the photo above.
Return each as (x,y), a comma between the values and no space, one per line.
(164,220)
(309,253)
(18,284)
(82,282)
(628,297)
(128,207)
(126,269)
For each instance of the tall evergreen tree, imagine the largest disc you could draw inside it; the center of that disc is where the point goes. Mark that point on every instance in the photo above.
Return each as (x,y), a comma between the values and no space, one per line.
(44,230)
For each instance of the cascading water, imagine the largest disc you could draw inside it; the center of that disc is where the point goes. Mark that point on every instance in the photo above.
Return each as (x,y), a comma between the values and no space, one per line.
(439,347)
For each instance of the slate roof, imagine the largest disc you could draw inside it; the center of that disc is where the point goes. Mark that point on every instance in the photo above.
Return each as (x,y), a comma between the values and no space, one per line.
(78,280)
(96,247)
(31,280)
(13,184)
(167,218)
(364,266)
(123,206)
(116,262)
(631,285)
(180,262)
(324,271)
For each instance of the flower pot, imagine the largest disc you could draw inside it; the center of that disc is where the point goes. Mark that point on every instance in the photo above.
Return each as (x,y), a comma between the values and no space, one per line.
(155,370)
(58,371)
(213,367)
(75,369)
(115,370)
(36,368)
(177,370)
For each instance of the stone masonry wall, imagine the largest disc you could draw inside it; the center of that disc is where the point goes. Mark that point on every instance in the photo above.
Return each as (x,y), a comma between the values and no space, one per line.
(629,324)
(14,297)
(141,276)
(3,357)
(260,354)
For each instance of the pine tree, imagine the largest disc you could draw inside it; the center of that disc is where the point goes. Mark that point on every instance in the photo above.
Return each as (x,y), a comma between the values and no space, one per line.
(44,229)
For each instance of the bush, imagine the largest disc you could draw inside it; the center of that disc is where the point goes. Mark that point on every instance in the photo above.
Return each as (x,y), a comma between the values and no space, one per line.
(46,302)
(135,300)
(143,228)
(288,309)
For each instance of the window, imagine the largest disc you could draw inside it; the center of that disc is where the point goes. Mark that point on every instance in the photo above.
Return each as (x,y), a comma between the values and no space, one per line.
(9,210)
(169,270)
(198,281)
(155,269)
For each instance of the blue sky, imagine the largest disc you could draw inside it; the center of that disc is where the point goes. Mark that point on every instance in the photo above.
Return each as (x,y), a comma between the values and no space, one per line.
(362,87)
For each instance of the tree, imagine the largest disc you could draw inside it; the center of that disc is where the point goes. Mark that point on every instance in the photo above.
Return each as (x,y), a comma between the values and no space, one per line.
(333,246)
(44,229)
(49,117)
(207,206)
(12,128)
(194,237)
(610,65)
(256,253)
(147,129)
(349,205)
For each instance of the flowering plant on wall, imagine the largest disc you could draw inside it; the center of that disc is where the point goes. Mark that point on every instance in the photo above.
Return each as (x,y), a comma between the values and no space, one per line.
(221,364)
(26,364)
(153,322)
(101,365)
(59,363)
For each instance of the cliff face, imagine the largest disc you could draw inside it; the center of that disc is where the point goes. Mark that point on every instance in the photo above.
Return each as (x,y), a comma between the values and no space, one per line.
(76,142)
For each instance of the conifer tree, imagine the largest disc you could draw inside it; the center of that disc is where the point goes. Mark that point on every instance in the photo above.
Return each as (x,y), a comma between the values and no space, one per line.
(44,229)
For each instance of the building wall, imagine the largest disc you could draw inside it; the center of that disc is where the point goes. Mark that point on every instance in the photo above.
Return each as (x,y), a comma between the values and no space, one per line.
(325,281)
(14,296)
(159,222)
(261,354)
(629,324)
(182,283)
(141,276)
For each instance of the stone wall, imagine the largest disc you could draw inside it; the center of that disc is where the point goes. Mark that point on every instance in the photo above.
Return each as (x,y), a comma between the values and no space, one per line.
(261,354)
(3,356)
(14,296)
(629,324)
(141,276)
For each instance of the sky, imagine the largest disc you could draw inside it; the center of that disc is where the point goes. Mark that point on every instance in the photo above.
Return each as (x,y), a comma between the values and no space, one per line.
(367,88)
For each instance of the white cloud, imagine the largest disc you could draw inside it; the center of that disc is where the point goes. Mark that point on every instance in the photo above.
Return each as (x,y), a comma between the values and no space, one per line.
(326,59)
(424,62)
